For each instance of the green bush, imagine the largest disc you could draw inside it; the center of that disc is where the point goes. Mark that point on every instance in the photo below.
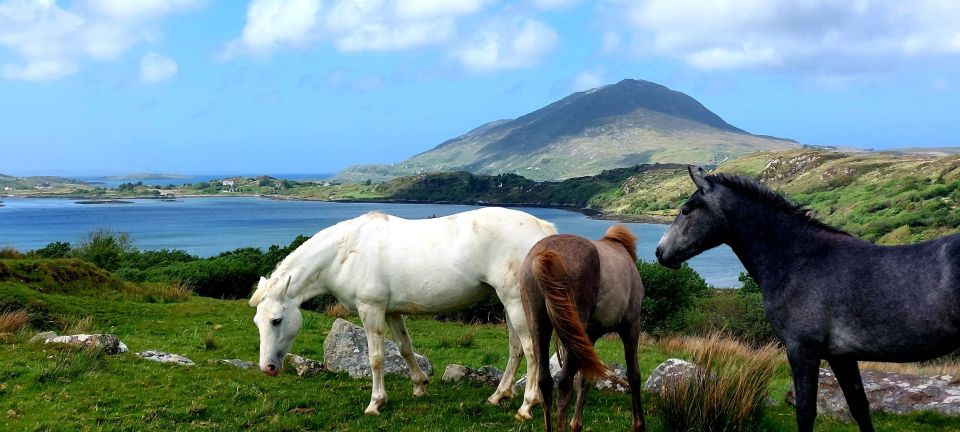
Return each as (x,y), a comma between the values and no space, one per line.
(739,315)
(53,250)
(667,293)
(104,248)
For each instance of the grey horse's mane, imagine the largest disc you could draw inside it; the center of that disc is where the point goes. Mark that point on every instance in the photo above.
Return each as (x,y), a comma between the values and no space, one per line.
(768,196)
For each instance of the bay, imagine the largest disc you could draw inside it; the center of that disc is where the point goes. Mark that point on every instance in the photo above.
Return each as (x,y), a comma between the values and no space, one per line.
(209,226)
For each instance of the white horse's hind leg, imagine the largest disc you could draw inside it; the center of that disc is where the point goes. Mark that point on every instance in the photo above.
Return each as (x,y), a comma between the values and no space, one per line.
(531,394)
(505,388)
(373,325)
(399,330)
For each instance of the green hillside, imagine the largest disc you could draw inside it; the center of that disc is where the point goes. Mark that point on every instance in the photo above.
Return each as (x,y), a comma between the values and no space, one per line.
(881,197)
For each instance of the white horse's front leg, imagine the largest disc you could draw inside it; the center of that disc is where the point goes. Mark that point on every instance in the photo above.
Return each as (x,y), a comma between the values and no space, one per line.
(399,330)
(373,324)
(505,388)
(531,394)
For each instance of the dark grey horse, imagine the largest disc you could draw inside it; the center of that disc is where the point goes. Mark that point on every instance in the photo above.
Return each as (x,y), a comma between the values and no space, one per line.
(827,294)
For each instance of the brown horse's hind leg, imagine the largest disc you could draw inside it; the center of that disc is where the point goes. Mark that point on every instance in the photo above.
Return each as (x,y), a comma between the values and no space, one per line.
(848,376)
(630,338)
(565,391)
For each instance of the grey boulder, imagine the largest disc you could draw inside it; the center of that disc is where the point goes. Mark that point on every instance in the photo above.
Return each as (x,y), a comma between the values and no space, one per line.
(304,366)
(345,350)
(163,357)
(889,392)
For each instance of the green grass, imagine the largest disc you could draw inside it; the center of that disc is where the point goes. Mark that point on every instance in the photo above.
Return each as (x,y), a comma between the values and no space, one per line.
(48,388)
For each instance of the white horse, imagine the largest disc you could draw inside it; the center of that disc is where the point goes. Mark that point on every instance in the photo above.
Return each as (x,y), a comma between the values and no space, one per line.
(384,266)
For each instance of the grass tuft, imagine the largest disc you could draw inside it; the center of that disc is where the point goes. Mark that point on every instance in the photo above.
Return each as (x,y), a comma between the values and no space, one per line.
(69,364)
(337,310)
(77,325)
(728,393)
(13,320)
(9,252)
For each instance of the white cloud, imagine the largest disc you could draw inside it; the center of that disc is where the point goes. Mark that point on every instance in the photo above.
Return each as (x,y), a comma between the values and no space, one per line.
(155,68)
(817,35)
(554,4)
(51,41)
(391,25)
(506,44)
(588,79)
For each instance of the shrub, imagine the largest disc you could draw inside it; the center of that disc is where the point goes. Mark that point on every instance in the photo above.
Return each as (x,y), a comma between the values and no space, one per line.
(53,250)
(736,314)
(487,311)
(727,393)
(9,252)
(104,248)
(667,293)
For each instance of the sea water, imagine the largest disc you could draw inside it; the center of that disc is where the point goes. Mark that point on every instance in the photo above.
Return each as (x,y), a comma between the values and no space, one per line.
(209,226)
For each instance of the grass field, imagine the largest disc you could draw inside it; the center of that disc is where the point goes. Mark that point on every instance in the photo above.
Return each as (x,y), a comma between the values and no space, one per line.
(48,388)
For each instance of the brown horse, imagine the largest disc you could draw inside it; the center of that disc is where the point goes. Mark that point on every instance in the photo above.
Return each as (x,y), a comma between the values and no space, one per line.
(566,281)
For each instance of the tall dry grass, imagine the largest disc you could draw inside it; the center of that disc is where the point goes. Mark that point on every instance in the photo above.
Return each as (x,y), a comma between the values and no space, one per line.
(337,310)
(77,325)
(13,320)
(727,393)
(935,367)
(10,252)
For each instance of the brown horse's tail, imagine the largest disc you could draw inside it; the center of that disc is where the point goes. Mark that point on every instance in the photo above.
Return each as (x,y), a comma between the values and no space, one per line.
(553,281)
(621,234)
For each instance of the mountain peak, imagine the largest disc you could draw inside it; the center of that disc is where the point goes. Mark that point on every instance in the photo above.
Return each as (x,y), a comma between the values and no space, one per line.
(617,125)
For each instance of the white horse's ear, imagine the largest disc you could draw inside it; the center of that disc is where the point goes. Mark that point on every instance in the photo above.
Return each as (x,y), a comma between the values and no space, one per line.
(258,295)
(697,176)
(286,287)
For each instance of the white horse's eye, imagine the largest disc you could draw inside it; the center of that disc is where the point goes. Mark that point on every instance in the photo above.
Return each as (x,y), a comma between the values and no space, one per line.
(275,321)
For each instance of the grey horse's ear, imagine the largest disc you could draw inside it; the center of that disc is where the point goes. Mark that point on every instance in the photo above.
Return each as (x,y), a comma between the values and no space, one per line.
(696,174)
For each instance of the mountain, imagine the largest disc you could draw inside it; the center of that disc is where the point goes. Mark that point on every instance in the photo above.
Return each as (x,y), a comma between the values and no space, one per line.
(619,125)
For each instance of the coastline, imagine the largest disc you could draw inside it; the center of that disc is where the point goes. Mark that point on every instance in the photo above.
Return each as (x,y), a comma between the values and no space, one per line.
(586,211)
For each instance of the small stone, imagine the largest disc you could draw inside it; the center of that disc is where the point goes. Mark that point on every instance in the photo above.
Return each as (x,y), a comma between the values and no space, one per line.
(488,375)
(304,366)
(234,362)
(302,410)
(163,357)
(43,336)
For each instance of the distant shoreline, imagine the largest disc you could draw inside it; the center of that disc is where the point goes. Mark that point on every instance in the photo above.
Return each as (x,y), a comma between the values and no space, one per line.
(588,212)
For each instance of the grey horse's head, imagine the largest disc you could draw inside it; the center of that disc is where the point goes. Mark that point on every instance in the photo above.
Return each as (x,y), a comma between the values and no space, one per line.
(279,320)
(698,227)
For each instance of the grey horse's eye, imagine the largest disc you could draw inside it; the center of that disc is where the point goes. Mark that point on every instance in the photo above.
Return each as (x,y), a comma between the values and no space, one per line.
(275,321)
(685,209)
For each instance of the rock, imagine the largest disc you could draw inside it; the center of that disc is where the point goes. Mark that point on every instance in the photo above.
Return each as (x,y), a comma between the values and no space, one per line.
(162,357)
(304,366)
(43,336)
(488,375)
(889,392)
(345,350)
(668,371)
(234,362)
(110,344)
(616,382)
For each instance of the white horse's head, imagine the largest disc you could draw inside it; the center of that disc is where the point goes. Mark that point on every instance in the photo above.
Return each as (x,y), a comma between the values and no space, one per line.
(279,320)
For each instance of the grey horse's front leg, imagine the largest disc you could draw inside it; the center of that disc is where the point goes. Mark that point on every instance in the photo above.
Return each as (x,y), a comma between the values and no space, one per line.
(848,376)
(806,371)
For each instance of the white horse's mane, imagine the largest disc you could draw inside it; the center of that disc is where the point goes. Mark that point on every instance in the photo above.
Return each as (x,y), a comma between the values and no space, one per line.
(265,289)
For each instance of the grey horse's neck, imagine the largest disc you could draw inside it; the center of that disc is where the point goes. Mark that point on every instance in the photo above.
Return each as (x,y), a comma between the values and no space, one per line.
(771,243)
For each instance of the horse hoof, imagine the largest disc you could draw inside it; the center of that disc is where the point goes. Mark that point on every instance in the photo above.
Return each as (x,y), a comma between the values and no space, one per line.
(496,399)
(523,416)
(372,411)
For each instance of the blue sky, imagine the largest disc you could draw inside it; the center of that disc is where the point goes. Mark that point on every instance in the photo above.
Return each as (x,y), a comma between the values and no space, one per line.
(311,86)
